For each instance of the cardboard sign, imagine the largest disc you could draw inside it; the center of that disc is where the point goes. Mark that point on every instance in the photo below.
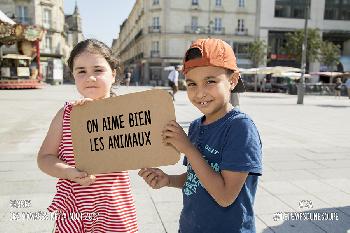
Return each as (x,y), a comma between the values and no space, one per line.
(123,133)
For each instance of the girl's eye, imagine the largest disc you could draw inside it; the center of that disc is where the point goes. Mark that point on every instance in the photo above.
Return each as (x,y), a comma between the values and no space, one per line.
(211,81)
(81,72)
(99,71)
(190,84)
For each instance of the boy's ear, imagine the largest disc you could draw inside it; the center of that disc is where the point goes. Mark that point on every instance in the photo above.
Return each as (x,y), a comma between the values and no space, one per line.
(234,80)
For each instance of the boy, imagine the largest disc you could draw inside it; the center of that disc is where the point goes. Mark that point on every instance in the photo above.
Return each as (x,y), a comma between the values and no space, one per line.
(223,148)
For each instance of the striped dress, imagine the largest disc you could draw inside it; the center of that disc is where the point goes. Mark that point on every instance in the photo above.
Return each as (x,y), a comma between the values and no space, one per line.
(104,206)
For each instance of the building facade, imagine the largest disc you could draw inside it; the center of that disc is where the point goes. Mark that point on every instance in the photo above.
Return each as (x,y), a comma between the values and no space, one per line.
(157,33)
(278,17)
(59,37)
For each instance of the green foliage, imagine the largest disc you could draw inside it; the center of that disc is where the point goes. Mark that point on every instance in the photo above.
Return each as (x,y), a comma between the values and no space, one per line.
(329,54)
(257,52)
(295,41)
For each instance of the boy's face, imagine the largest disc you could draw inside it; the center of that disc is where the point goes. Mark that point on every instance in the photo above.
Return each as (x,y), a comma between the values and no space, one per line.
(209,89)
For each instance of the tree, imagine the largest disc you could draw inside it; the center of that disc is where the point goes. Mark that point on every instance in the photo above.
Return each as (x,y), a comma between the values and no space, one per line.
(257,54)
(294,44)
(329,54)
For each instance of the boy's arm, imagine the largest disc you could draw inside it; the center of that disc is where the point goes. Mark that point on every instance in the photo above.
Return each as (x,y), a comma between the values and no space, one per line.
(224,187)
(177,181)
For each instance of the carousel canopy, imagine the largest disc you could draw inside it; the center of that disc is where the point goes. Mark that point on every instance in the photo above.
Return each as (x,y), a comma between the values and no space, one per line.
(10,32)
(4,18)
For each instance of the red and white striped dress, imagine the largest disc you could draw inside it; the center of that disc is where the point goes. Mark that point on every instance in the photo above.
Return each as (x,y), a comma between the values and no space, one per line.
(105,206)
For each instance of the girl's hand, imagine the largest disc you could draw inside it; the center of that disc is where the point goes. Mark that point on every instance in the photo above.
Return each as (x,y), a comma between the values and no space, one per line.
(154,177)
(79,177)
(82,101)
(174,134)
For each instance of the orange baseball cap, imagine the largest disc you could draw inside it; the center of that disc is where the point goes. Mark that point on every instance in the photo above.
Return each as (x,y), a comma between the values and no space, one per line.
(214,52)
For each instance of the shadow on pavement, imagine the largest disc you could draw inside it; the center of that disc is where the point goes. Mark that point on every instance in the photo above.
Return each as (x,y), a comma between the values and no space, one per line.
(333,106)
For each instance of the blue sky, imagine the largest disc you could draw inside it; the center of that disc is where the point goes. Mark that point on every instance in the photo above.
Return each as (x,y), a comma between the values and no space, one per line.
(101,18)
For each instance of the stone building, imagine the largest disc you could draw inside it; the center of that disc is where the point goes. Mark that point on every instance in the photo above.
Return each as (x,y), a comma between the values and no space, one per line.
(157,33)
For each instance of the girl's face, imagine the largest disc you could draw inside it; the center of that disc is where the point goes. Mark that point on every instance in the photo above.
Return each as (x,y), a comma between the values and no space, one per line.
(209,88)
(93,75)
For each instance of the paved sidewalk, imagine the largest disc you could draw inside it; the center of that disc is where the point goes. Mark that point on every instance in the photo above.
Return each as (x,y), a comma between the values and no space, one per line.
(306,162)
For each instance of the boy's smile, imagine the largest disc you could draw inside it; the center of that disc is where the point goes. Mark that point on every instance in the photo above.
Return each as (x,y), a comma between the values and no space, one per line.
(208,89)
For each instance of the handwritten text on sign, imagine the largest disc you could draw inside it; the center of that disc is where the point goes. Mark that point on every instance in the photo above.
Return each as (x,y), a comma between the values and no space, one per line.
(123,133)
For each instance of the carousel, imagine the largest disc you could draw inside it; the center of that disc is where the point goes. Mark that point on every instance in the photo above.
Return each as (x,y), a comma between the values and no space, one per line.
(20,70)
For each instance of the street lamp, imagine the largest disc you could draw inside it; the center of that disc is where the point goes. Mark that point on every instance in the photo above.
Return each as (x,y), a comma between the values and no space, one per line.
(301,86)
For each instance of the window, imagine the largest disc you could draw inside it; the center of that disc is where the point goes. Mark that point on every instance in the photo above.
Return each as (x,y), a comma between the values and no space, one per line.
(155,2)
(217,24)
(155,49)
(218,2)
(195,3)
(47,18)
(291,8)
(22,14)
(48,44)
(337,10)
(240,26)
(155,23)
(240,49)
(155,46)
(194,23)
(241,3)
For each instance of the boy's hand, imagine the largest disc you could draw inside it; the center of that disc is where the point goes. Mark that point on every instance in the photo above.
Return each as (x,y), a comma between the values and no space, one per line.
(82,101)
(176,136)
(79,177)
(154,177)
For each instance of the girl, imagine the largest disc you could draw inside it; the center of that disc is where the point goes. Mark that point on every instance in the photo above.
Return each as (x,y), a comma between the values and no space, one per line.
(86,202)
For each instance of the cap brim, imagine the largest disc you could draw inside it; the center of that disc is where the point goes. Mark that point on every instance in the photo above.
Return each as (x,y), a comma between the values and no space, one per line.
(239,88)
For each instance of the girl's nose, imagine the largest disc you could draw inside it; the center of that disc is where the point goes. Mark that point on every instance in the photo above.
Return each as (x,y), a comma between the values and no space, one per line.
(91,78)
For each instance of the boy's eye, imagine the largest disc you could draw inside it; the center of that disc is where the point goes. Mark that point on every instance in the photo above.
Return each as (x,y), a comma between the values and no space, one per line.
(99,70)
(211,81)
(81,72)
(190,84)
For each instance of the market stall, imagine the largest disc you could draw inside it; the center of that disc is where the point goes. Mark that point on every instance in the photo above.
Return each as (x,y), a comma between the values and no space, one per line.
(20,70)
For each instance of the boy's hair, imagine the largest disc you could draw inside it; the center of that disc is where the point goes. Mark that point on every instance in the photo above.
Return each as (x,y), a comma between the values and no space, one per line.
(213,52)
(95,47)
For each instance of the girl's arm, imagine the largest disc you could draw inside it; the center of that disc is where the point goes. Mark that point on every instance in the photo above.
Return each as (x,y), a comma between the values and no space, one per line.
(48,160)
(224,187)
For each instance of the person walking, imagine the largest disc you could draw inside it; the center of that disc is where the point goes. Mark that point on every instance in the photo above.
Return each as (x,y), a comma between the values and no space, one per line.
(173,78)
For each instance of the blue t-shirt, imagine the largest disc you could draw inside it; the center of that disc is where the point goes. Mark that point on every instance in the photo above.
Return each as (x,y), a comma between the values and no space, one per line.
(231,143)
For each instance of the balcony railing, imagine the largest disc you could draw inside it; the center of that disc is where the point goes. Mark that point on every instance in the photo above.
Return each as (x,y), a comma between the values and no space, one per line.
(196,29)
(155,53)
(217,30)
(241,31)
(154,29)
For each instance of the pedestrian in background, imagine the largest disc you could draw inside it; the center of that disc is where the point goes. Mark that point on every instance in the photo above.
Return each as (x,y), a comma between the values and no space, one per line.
(337,88)
(347,84)
(222,150)
(86,202)
(173,79)
(127,78)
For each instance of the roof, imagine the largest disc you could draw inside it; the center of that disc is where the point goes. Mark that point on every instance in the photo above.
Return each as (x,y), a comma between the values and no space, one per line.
(6,19)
